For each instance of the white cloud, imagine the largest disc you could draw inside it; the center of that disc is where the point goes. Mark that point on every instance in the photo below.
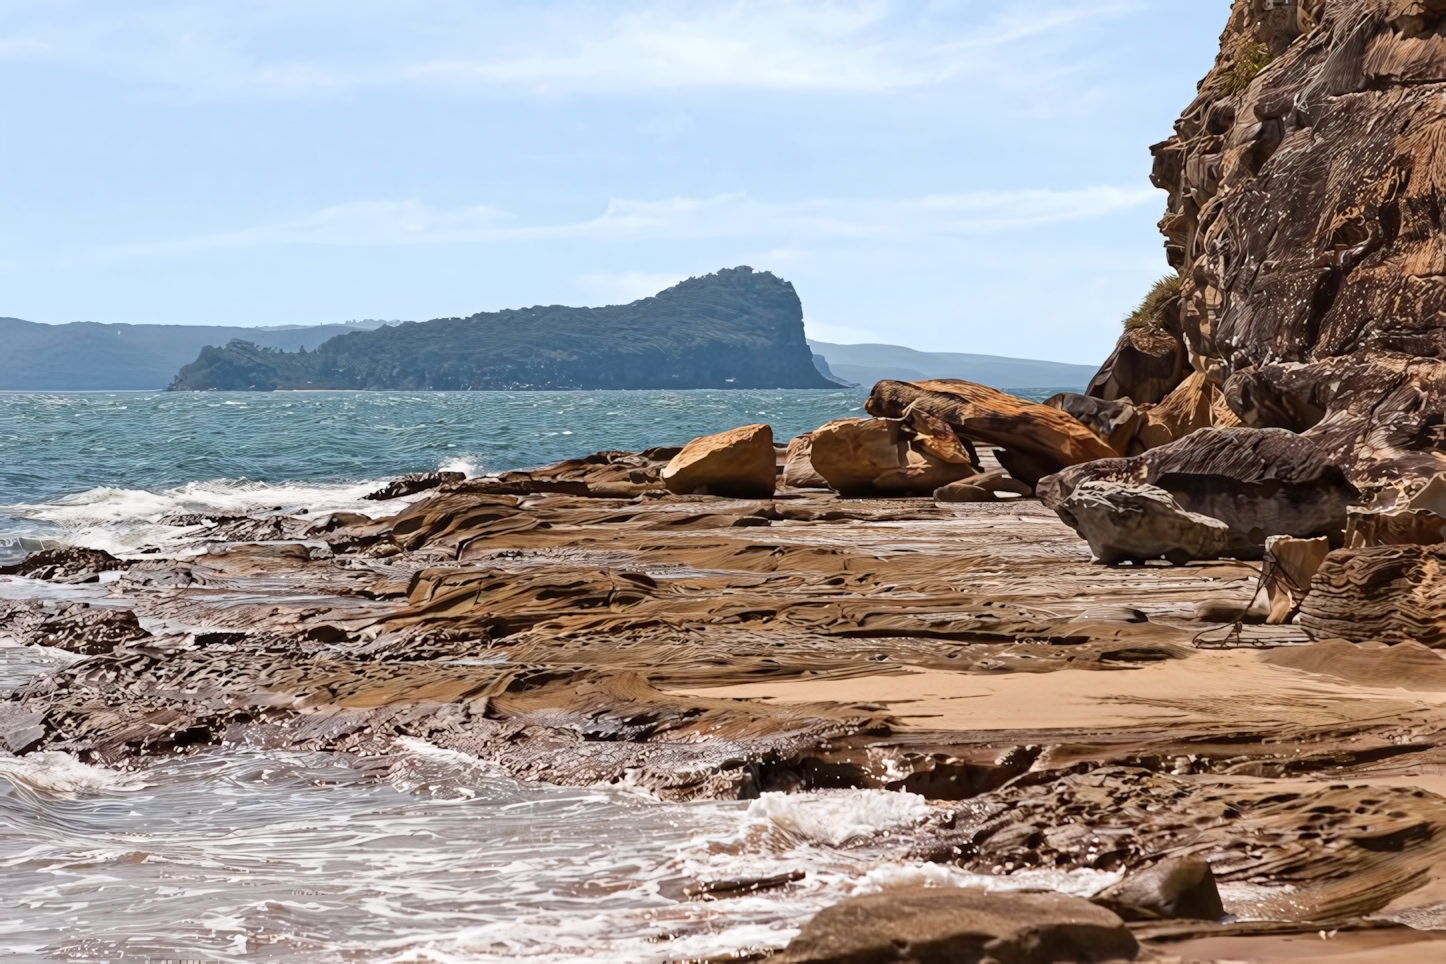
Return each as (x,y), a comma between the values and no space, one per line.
(549,46)
(372,223)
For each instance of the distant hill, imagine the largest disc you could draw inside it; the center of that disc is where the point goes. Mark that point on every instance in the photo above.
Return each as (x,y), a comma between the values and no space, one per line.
(867,364)
(738,328)
(85,356)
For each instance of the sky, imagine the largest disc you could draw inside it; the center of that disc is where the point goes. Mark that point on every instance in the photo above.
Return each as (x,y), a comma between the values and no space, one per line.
(950,175)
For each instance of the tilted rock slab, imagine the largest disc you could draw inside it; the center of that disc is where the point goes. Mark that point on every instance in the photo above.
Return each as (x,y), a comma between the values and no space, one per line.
(1305,218)
(1260,482)
(1388,593)
(1047,436)
(739,462)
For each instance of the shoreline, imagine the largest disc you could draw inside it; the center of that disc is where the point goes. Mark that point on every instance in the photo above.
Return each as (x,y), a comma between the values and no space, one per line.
(701,647)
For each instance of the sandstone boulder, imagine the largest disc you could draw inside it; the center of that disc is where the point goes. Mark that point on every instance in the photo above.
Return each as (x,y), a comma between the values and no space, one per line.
(1174,889)
(881,456)
(1260,482)
(1388,593)
(739,463)
(798,470)
(936,924)
(602,475)
(1045,437)
(1290,565)
(1133,523)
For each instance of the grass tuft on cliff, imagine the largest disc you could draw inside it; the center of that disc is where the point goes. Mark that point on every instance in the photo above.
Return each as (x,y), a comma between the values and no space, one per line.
(1150,312)
(1250,59)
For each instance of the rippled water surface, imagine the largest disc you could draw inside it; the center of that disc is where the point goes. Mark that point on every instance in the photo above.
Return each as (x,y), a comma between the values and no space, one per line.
(244,856)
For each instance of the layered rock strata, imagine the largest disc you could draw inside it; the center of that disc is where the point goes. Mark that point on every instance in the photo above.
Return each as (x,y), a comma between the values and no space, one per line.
(1304,218)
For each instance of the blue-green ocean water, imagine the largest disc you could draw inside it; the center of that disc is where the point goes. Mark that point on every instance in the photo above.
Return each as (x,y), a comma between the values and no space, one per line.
(95,467)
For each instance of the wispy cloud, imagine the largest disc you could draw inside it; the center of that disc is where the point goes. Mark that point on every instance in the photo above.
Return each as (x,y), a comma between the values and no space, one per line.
(373,223)
(548,46)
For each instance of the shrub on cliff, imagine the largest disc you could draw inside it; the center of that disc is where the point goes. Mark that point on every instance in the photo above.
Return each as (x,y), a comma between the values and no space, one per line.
(1250,59)
(1150,312)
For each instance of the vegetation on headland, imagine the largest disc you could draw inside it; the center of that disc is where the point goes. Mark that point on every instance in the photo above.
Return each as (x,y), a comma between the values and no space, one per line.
(1150,312)
(737,328)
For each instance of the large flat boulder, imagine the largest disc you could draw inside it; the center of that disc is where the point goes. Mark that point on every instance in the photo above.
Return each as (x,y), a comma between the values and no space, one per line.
(1045,436)
(883,456)
(1259,482)
(1135,523)
(739,463)
(933,925)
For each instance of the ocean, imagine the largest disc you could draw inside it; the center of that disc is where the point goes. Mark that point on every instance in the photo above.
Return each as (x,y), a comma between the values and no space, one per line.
(99,468)
(267,856)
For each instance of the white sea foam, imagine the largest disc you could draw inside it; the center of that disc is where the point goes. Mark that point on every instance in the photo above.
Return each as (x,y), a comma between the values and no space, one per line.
(836,817)
(122,520)
(1077,883)
(54,774)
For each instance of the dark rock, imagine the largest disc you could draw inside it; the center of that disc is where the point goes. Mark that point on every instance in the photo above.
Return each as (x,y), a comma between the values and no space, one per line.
(932,925)
(963,491)
(1146,365)
(1260,482)
(1114,420)
(1179,888)
(412,484)
(66,564)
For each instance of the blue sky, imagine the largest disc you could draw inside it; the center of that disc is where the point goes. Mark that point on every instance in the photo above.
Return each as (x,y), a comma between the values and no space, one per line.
(951,175)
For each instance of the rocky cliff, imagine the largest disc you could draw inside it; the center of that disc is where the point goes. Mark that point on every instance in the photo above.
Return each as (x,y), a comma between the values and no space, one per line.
(738,328)
(1306,184)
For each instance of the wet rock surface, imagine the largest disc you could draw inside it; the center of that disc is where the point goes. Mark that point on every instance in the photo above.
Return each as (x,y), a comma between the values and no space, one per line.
(927,924)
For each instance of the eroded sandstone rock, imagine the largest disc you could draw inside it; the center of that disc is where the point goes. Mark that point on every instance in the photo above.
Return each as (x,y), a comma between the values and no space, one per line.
(922,925)
(1044,436)
(1181,887)
(66,564)
(1133,523)
(1303,216)
(881,456)
(1259,482)
(738,463)
(798,470)
(1390,593)
(1290,565)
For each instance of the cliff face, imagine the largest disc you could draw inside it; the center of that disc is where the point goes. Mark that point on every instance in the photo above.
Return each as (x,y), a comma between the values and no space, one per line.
(1307,183)
(737,328)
